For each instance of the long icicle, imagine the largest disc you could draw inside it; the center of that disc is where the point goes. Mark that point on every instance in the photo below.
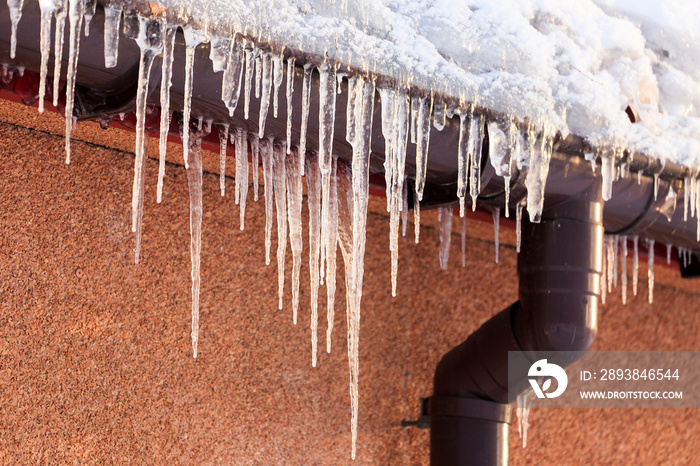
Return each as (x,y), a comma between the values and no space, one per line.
(423,139)
(331,254)
(650,273)
(289,94)
(465,130)
(223,147)
(76,10)
(193,38)
(241,173)
(194,181)
(326,118)
(47,8)
(305,104)
(623,263)
(294,200)
(279,179)
(166,82)
(60,14)
(313,183)
(635,264)
(267,163)
(360,189)
(398,169)
(150,42)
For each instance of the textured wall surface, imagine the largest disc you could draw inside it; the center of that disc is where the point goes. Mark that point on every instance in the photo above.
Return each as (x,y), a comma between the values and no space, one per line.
(95,356)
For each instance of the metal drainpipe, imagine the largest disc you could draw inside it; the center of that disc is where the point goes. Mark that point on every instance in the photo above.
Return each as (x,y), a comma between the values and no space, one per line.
(559,268)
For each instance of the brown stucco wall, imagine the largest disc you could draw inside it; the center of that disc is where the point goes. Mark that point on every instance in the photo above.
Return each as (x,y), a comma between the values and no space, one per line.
(95,355)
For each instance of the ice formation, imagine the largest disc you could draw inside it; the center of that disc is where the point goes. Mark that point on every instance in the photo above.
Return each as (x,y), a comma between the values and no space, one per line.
(539,87)
(522,412)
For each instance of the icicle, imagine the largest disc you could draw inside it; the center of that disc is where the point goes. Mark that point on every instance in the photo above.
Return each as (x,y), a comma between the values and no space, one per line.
(445,221)
(416,217)
(591,157)
(423,138)
(615,242)
(277,77)
(607,169)
(241,173)
(518,223)
(465,138)
(623,262)
(524,403)
(388,99)
(331,247)
(290,91)
(267,162)
(90,7)
(15,7)
(439,115)
(415,110)
(113,16)
(496,212)
(166,82)
(313,183)
(656,185)
(650,246)
(45,46)
(500,153)
(266,83)
(399,141)
(60,14)
(258,71)
(686,197)
(193,38)
(294,199)
(539,169)
(77,8)
(249,68)
(610,259)
(305,104)
(669,246)
(404,207)
(219,50)
(326,118)
(223,140)
(194,181)
(604,275)
(360,179)
(280,175)
(635,264)
(639,177)
(346,240)
(339,81)
(255,155)
(233,77)
(474,151)
(150,42)
(464,242)
(693,196)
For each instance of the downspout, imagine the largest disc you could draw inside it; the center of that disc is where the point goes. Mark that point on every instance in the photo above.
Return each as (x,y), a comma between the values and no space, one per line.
(559,270)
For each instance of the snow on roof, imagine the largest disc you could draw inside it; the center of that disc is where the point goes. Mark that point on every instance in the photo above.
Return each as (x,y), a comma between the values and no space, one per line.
(575,64)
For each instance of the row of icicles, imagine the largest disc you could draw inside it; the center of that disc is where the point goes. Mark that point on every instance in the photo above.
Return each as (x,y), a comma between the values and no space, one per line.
(337,194)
